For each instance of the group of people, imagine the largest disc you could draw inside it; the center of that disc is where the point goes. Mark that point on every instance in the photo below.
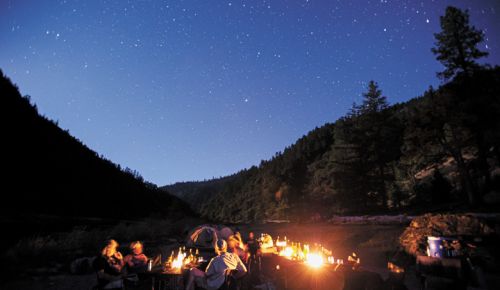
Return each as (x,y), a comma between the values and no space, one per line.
(232,259)
(112,267)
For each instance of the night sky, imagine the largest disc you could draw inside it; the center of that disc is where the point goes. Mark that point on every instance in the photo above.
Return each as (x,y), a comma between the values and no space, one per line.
(190,90)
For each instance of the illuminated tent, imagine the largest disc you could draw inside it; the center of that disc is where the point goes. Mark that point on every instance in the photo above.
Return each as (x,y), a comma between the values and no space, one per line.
(205,236)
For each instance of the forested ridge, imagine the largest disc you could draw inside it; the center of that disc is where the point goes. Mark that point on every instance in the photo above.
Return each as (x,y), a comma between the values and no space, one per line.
(437,151)
(439,148)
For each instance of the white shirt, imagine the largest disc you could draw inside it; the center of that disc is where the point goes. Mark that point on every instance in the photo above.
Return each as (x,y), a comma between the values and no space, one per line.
(218,266)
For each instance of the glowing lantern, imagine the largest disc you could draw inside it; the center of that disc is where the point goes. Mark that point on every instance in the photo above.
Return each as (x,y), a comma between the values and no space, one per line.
(314,257)
(287,252)
(280,243)
(314,260)
(178,262)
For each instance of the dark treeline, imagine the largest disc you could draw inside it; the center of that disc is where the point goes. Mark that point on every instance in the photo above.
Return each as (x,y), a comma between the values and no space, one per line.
(198,193)
(47,171)
(436,151)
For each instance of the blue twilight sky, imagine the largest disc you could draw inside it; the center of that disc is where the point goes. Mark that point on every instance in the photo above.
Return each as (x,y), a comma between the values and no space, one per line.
(188,90)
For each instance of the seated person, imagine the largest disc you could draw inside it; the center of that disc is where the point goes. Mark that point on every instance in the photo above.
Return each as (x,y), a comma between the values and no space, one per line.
(215,274)
(234,246)
(237,235)
(267,244)
(136,261)
(109,267)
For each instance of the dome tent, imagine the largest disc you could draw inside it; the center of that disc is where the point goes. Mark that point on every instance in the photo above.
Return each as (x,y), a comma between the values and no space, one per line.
(205,236)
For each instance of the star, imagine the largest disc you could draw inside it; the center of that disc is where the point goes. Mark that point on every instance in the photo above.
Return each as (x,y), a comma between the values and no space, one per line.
(187,61)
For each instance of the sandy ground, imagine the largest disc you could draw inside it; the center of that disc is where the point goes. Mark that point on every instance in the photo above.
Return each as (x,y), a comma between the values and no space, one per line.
(374,244)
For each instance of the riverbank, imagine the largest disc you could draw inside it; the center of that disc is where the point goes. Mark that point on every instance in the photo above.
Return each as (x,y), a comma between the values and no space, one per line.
(374,244)
(44,260)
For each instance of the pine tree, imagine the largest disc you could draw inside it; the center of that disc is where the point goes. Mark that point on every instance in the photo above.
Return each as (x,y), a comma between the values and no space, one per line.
(456,45)
(373,101)
(369,133)
(375,146)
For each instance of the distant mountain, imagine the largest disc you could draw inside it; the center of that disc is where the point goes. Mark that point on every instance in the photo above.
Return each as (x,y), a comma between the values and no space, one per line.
(198,193)
(48,171)
(439,151)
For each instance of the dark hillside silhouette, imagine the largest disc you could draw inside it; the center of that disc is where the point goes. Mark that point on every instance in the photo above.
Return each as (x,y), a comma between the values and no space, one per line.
(48,171)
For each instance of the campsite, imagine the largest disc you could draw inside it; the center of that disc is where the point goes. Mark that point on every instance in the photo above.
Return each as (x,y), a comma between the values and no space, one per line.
(375,239)
(375,243)
(250,145)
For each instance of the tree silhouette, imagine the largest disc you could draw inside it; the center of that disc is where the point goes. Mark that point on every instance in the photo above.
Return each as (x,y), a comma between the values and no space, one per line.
(373,101)
(456,45)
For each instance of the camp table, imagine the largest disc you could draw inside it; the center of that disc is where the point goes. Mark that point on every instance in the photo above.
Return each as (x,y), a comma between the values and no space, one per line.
(296,275)
(167,280)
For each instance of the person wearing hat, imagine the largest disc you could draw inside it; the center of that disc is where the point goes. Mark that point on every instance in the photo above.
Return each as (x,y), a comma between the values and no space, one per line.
(215,274)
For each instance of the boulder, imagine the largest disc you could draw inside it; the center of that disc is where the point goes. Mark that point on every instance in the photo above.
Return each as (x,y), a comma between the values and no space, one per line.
(414,239)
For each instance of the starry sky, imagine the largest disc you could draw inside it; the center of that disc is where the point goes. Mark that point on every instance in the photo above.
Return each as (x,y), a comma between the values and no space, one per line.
(190,90)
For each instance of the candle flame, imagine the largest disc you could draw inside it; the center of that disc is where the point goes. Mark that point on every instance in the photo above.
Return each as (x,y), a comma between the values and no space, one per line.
(178,262)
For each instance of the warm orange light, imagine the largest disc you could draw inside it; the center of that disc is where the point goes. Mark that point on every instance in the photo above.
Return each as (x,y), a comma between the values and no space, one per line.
(280,243)
(394,268)
(314,260)
(178,262)
(287,252)
(302,252)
